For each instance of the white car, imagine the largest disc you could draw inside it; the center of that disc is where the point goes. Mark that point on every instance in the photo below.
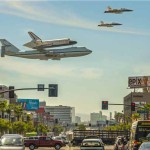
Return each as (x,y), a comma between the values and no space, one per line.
(12,142)
(145,146)
(91,144)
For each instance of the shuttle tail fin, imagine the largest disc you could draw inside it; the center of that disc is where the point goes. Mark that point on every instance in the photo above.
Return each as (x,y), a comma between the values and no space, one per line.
(7,48)
(34,37)
(109,8)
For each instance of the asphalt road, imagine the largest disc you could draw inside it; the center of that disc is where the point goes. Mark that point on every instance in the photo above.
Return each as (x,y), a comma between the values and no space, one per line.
(107,147)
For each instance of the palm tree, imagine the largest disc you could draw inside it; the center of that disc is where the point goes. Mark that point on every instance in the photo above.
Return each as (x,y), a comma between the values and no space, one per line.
(147,108)
(135,116)
(9,109)
(118,117)
(3,106)
(18,111)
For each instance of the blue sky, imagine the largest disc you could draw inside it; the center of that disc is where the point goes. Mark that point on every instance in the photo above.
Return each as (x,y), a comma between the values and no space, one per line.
(118,52)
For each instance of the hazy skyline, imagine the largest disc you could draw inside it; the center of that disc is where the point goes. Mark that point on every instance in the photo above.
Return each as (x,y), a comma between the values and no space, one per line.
(118,52)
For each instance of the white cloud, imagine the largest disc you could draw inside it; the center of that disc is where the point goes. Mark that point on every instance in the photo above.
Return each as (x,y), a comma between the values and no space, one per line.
(52,15)
(42,70)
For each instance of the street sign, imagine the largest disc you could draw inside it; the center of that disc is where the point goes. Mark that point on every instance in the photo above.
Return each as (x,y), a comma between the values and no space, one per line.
(53,90)
(142,111)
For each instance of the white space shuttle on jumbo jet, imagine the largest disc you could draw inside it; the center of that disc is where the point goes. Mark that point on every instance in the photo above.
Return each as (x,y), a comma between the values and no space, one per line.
(37,42)
(43,54)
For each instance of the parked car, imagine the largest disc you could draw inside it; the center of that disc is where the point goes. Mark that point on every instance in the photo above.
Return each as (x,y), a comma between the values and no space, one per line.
(145,146)
(91,144)
(44,141)
(12,141)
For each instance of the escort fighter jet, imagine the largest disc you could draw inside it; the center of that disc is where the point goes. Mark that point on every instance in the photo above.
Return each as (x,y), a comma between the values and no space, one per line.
(43,54)
(117,11)
(102,24)
(37,43)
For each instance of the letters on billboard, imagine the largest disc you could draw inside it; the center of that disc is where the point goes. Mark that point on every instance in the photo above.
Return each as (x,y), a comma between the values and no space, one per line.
(139,82)
(29,104)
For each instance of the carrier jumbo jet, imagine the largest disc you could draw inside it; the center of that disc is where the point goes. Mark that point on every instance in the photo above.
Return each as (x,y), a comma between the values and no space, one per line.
(37,43)
(42,54)
(102,24)
(116,11)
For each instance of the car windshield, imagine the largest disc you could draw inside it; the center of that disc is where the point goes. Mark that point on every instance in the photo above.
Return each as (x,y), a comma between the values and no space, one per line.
(12,141)
(91,143)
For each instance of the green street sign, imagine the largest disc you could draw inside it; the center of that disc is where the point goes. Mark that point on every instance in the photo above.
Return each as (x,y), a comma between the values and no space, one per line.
(142,111)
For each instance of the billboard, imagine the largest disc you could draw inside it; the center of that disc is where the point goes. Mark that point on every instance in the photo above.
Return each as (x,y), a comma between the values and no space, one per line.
(139,82)
(29,104)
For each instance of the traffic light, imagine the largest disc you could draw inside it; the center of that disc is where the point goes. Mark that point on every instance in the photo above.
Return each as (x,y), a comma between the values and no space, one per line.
(56,121)
(76,124)
(11,92)
(104,105)
(53,90)
(132,106)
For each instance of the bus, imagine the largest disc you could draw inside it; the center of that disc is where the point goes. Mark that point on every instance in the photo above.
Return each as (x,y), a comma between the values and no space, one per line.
(139,133)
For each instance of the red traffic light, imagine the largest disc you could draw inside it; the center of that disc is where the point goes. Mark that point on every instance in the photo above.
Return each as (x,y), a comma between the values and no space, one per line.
(104,105)
(132,106)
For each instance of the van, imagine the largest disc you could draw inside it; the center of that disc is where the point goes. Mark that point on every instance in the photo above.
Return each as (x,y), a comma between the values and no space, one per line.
(12,142)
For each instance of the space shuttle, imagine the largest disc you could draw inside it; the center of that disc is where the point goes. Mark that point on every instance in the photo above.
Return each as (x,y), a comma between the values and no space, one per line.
(38,43)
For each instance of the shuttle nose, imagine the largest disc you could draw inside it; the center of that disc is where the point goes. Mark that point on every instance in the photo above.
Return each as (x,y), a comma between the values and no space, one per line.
(90,51)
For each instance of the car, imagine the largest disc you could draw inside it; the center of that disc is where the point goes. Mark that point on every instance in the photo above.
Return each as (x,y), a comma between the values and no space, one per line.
(94,137)
(61,139)
(44,141)
(12,141)
(91,144)
(121,143)
(145,146)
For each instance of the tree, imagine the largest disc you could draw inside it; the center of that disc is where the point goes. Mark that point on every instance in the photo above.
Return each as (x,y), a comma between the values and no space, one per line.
(29,126)
(19,127)
(18,111)
(9,110)
(3,106)
(4,125)
(135,116)
(147,108)
(81,127)
(57,129)
(42,129)
(118,116)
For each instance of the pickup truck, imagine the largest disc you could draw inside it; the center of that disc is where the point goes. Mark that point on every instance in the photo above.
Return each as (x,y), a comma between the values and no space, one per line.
(43,141)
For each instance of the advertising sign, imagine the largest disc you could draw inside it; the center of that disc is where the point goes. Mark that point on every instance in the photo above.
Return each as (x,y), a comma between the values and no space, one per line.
(29,104)
(139,82)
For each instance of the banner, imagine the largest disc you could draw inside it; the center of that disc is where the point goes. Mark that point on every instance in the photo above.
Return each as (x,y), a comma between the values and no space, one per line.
(139,82)
(29,104)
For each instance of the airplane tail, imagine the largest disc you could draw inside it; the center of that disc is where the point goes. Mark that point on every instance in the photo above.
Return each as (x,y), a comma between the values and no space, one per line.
(34,37)
(102,22)
(7,48)
(109,8)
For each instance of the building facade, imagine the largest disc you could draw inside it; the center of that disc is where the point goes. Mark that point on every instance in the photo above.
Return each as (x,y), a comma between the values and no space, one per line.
(139,98)
(77,119)
(64,114)
(5,96)
(94,117)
